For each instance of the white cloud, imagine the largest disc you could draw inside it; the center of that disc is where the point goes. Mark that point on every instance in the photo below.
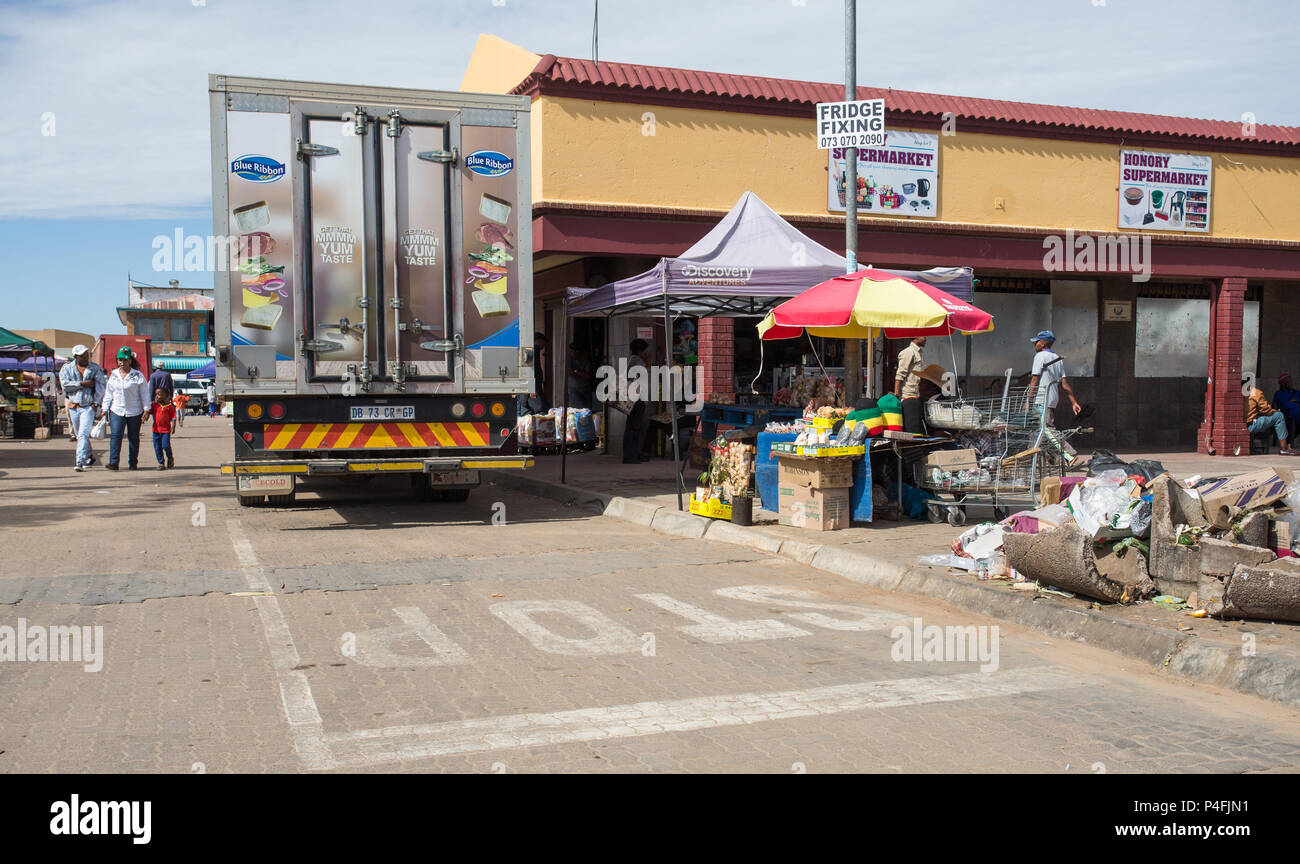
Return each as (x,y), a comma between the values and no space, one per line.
(126,82)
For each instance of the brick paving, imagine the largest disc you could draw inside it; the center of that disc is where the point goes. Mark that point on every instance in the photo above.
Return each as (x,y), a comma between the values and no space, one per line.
(361,631)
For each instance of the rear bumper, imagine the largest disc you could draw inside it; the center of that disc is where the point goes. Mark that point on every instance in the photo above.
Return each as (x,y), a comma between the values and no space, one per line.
(358,464)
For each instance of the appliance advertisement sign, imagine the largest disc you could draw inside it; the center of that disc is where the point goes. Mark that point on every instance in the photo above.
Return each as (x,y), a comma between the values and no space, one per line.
(900,178)
(1164,191)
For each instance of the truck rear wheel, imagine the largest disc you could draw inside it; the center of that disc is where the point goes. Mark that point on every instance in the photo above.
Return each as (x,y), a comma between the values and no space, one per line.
(251,500)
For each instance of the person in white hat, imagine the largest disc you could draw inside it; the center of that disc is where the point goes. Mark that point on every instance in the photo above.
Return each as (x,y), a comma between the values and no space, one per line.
(83,385)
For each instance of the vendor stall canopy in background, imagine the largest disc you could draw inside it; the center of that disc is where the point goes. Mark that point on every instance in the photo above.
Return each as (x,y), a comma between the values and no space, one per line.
(872,302)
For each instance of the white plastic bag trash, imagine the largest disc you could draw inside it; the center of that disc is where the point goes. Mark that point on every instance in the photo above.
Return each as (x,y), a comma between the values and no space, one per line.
(100,429)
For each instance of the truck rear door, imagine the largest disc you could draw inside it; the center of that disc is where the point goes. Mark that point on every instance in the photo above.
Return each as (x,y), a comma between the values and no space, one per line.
(374,197)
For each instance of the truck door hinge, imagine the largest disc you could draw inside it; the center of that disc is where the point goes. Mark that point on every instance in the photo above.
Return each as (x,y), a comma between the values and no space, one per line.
(456,343)
(394,124)
(359,121)
(305,149)
(448,157)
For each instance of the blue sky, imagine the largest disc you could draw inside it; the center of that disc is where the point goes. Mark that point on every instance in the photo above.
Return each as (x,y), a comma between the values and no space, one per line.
(124,83)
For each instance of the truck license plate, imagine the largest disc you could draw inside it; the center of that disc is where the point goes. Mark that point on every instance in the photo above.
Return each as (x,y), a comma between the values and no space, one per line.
(383,412)
(275,483)
(453,478)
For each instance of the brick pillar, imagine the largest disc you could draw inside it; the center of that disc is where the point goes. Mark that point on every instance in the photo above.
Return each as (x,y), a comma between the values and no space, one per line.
(717,352)
(1224,428)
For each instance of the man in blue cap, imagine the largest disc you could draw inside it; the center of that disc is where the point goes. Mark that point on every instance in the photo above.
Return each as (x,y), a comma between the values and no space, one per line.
(1049,375)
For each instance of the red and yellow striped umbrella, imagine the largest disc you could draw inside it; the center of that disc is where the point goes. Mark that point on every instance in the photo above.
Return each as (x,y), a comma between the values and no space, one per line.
(865,304)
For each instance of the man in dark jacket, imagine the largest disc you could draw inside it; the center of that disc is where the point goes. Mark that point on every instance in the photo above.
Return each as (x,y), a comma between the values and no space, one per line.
(161,379)
(1287,400)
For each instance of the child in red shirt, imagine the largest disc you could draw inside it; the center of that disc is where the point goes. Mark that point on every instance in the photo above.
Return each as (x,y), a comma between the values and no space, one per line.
(164,424)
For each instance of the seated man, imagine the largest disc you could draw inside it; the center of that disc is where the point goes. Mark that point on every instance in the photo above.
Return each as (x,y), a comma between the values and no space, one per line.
(1260,416)
(1287,400)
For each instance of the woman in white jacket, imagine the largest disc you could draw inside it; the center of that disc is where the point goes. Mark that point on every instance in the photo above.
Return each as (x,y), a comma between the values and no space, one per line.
(126,401)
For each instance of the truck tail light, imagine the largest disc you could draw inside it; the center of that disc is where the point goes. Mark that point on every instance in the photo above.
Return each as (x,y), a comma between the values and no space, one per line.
(248,437)
(254,410)
(458,409)
(498,409)
(276,410)
(478,409)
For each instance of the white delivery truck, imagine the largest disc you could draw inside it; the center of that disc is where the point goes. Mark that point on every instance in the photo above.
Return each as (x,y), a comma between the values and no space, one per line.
(375,314)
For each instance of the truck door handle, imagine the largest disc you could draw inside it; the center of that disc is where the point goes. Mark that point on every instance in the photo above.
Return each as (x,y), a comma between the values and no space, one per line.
(305,149)
(444,156)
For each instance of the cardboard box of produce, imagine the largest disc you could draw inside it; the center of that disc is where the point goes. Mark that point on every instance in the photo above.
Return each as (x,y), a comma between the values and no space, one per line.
(813,473)
(1224,499)
(953,460)
(818,509)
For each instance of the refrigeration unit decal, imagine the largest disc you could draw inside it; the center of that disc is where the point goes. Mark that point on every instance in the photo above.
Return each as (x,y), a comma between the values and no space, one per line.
(260,231)
(489,192)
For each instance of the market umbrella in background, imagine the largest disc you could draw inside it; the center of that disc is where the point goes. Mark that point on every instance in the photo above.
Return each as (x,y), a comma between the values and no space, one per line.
(872,302)
(206,371)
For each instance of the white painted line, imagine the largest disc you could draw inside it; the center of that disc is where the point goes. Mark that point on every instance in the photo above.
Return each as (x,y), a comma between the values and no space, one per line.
(305,727)
(610,636)
(715,629)
(397,743)
(378,647)
(863,617)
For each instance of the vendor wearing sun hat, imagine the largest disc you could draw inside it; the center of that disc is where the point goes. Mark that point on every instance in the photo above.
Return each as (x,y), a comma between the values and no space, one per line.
(83,386)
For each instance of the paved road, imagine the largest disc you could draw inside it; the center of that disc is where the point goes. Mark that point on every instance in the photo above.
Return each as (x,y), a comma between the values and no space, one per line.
(363,631)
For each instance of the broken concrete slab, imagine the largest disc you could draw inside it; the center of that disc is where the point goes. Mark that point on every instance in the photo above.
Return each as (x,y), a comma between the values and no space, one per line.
(1258,592)
(1221,557)
(1172,505)
(1252,530)
(1174,568)
(1064,558)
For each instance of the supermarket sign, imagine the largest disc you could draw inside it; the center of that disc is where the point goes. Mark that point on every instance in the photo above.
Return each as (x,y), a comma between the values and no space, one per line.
(898,178)
(851,124)
(1164,191)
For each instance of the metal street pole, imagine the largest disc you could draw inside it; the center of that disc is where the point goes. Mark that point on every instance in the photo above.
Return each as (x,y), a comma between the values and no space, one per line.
(852,347)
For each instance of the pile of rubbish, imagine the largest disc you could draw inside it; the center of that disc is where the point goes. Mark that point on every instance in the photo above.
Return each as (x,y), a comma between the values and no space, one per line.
(1128,532)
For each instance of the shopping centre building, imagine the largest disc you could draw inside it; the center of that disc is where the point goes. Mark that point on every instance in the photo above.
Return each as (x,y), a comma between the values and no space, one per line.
(1164,252)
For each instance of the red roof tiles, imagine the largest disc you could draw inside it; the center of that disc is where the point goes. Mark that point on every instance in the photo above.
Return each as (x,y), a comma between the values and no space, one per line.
(770,95)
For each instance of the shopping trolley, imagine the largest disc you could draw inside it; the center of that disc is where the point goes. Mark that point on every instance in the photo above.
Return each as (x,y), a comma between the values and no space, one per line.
(1017,450)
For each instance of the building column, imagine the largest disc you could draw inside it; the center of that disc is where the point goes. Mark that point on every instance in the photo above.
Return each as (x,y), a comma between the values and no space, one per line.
(1223,431)
(717,353)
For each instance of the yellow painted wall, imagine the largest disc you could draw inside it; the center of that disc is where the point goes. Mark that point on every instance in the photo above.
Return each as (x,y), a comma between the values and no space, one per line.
(628,154)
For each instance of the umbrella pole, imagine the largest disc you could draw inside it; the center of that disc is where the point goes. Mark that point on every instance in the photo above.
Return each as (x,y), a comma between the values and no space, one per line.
(672,400)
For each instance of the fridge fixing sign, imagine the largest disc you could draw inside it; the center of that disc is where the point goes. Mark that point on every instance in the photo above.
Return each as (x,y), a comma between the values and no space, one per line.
(1164,191)
(899,178)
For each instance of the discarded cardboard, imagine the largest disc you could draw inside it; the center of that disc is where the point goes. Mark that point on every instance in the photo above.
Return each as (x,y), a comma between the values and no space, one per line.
(1223,499)
(953,460)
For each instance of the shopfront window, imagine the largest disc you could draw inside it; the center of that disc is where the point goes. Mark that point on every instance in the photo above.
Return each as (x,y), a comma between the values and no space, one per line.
(182,330)
(1173,332)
